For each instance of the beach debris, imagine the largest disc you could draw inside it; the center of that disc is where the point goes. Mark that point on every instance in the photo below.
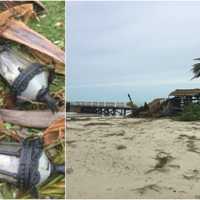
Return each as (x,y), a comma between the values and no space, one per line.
(142,111)
(26,165)
(152,109)
(155,106)
(71,143)
(146,188)
(47,60)
(55,132)
(37,5)
(118,133)
(192,175)
(7,100)
(120,147)
(56,151)
(98,124)
(54,140)
(21,12)
(27,79)
(10,133)
(158,107)
(69,170)
(33,119)
(55,188)
(17,31)
(163,159)
(175,103)
(60,99)
(191,142)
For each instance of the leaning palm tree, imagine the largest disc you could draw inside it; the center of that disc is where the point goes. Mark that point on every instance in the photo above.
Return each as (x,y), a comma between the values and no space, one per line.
(196,69)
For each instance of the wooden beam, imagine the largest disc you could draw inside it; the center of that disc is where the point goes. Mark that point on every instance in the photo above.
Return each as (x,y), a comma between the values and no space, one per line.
(19,32)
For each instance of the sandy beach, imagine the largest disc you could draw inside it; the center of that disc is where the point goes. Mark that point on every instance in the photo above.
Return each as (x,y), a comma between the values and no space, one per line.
(133,158)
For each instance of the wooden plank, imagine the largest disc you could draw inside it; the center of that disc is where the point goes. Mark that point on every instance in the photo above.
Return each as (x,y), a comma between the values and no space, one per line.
(23,12)
(47,60)
(37,5)
(19,32)
(34,119)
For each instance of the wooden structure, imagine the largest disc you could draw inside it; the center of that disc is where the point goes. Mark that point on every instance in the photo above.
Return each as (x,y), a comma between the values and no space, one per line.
(186,96)
(101,108)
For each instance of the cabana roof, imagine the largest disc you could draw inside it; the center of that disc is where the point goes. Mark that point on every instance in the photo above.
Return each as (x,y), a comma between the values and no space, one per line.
(185,92)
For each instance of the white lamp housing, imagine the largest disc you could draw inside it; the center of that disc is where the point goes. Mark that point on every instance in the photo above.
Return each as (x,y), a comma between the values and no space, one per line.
(27,79)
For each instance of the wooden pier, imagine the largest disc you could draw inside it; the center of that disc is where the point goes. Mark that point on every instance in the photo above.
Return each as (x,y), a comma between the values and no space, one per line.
(100,108)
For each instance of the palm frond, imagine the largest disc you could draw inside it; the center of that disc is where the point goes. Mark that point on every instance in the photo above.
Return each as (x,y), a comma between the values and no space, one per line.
(196,70)
(55,187)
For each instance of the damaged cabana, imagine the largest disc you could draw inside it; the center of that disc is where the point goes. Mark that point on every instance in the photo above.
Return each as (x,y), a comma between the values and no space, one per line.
(184,97)
(176,102)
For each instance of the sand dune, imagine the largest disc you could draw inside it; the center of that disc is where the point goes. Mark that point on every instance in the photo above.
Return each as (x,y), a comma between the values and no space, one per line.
(133,158)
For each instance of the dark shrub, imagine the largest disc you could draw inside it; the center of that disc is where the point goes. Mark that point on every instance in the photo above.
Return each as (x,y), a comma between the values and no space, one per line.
(190,113)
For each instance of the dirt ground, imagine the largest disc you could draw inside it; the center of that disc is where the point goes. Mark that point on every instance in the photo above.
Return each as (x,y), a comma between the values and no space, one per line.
(133,158)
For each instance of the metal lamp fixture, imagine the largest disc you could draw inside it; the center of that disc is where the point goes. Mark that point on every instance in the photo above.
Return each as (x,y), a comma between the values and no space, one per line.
(28,80)
(26,165)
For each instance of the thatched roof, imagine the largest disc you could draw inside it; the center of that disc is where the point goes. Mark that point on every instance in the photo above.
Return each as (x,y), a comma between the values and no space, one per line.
(185,92)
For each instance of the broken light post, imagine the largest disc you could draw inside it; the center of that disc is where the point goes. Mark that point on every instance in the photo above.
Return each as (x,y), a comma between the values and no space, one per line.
(28,80)
(26,165)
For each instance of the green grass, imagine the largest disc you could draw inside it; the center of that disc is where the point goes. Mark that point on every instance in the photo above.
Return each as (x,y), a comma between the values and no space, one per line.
(52,24)
(190,113)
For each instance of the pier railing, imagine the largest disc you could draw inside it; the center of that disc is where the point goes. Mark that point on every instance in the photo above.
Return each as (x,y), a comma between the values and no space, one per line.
(102,108)
(99,104)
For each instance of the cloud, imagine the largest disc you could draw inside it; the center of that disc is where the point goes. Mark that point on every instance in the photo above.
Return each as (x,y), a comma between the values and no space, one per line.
(138,83)
(132,44)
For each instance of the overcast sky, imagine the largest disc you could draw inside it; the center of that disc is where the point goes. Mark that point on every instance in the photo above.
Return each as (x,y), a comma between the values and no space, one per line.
(142,48)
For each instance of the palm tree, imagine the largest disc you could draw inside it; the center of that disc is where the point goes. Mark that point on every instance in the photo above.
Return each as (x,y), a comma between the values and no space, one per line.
(196,69)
